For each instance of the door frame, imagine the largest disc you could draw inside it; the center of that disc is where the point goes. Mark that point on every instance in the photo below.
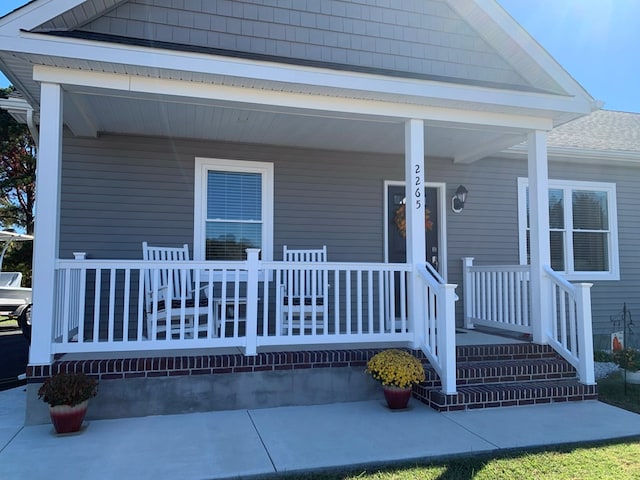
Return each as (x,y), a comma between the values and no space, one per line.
(442,215)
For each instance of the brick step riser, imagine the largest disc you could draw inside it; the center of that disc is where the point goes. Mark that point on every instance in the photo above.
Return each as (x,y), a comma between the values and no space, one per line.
(521,351)
(507,396)
(505,371)
(490,376)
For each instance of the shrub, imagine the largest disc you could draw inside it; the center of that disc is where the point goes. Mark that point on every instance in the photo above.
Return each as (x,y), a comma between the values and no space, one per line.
(629,359)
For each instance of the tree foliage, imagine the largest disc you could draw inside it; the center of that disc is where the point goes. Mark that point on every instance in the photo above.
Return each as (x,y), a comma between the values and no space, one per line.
(17,172)
(17,188)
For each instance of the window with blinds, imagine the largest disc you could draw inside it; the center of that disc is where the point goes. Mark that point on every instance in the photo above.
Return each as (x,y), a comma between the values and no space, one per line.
(234,214)
(233,208)
(582,228)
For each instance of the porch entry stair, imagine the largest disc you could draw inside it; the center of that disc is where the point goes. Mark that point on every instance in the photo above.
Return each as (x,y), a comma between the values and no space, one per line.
(505,375)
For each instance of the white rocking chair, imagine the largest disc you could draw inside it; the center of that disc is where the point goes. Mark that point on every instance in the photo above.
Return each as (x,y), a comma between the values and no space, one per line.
(303,293)
(170,297)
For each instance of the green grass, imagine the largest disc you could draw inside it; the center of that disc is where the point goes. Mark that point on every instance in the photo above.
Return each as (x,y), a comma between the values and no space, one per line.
(603,461)
(8,322)
(614,461)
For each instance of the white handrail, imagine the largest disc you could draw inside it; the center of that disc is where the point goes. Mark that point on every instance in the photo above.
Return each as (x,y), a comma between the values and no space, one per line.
(440,329)
(558,278)
(571,333)
(499,296)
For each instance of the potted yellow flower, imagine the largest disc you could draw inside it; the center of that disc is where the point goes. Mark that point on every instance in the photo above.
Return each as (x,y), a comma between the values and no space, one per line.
(397,371)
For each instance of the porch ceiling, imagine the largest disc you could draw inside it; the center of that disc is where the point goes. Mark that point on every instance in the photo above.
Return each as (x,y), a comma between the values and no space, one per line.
(91,111)
(88,114)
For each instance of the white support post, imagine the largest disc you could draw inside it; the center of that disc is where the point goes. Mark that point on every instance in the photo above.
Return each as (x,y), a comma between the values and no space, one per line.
(45,248)
(469,292)
(414,210)
(539,235)
(586,368)
(251,324)
(447,338)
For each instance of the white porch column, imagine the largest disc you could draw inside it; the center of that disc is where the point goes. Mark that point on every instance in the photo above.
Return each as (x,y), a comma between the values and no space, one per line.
(539,239)
(45,248)
(251,329)
(414,210)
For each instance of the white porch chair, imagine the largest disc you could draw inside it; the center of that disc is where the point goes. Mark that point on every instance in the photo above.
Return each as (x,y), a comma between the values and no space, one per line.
(303,291)
(164,291)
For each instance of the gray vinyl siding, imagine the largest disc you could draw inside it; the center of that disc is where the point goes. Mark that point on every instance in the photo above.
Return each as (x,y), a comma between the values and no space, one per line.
(608,297)
(419,36)
(118,191)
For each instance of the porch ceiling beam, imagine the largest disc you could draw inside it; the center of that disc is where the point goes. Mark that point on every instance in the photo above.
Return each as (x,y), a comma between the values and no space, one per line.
(201,63)
(389,110)
(488,148)
(78,118)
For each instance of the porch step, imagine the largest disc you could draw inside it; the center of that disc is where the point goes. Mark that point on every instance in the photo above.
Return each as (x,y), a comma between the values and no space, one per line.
(505,375)
(511,351)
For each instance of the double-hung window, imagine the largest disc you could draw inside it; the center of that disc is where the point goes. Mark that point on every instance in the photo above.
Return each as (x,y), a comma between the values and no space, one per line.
(583,231)
(233,209)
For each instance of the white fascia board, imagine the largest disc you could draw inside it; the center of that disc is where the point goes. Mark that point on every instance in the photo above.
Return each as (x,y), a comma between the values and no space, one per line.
(177,88)
(538,54)
(34,14)
(39,44)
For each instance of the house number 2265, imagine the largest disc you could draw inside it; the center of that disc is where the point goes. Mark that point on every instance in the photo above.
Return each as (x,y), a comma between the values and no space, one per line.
(418,184)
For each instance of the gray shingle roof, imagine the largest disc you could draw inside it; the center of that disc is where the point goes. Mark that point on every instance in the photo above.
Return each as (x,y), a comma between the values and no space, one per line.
(603,130)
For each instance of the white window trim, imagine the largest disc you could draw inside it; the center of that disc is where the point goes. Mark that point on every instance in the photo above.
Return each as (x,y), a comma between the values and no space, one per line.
(202,166)
(610,189)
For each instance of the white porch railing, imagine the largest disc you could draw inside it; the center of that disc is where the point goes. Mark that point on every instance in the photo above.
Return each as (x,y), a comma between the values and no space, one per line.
(440,326)
(500,297)
(571,332)
(100,306)
(497,296)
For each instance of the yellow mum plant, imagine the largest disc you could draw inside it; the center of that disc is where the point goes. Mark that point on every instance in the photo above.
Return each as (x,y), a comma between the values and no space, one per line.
(396,368)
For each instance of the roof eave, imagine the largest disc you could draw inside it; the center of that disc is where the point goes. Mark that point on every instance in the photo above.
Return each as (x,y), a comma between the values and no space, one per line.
(562,107)
(577,155)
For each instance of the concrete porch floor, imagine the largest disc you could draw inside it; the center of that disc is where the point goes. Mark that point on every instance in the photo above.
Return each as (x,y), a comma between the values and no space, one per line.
(463,337)
(274,441)
(487,337)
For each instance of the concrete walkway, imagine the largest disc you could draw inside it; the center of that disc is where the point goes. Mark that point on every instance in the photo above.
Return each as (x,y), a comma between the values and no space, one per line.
(244,443)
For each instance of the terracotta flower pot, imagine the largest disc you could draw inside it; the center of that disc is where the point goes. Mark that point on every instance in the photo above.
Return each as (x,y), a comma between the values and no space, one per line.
(68,419)
(397,398)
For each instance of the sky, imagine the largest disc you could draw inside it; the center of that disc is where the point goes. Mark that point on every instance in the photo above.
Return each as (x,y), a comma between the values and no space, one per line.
(596,41)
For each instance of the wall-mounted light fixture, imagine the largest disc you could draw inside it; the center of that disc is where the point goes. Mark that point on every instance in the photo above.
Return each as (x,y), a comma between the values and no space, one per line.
(457,202)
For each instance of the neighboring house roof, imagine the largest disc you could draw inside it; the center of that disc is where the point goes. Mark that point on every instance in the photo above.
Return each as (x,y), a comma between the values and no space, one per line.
(604,130)
(603,136)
